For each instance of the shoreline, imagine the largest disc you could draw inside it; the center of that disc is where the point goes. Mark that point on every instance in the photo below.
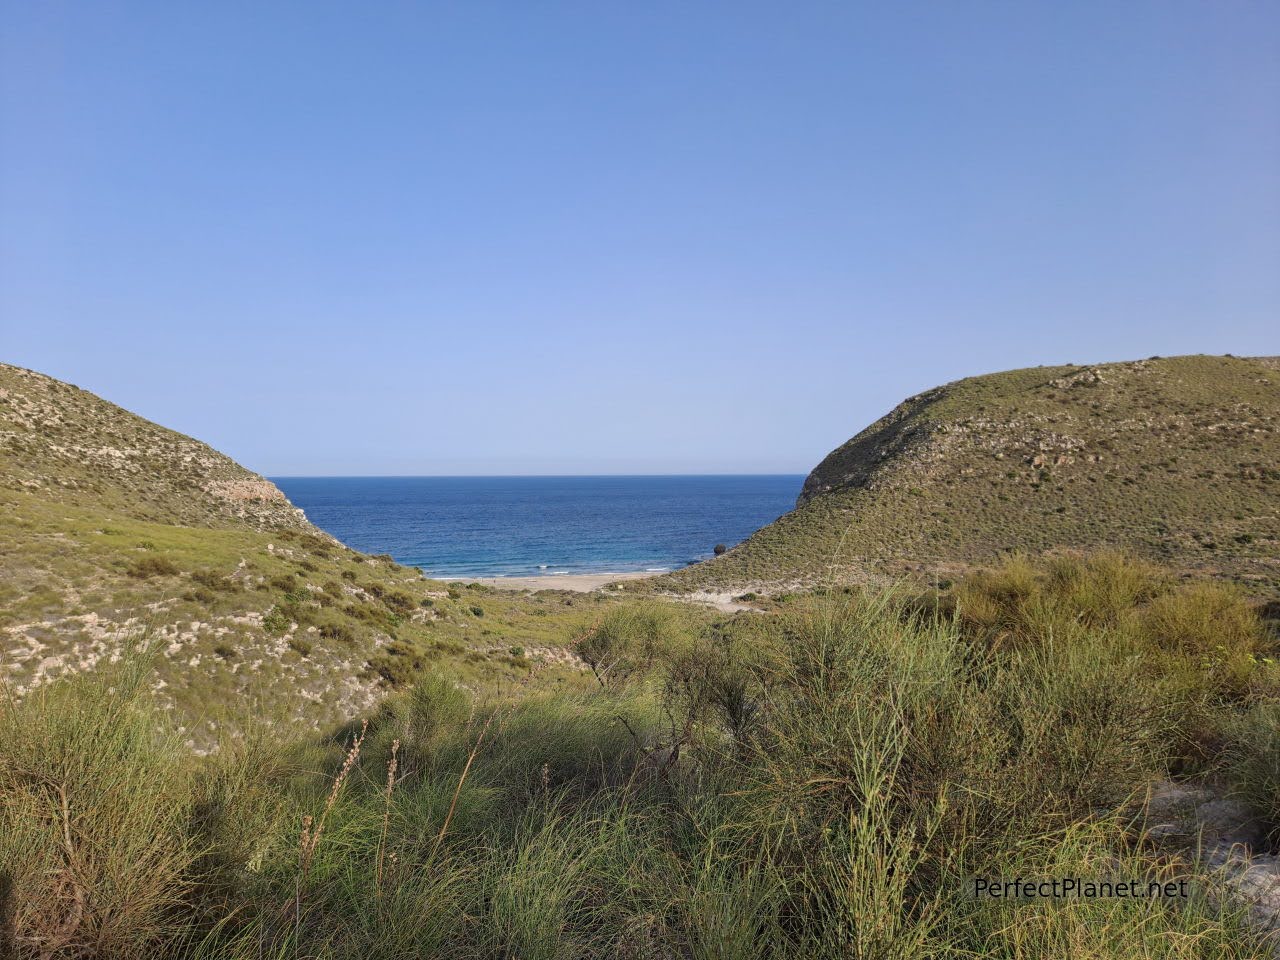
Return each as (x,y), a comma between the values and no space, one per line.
(576,582)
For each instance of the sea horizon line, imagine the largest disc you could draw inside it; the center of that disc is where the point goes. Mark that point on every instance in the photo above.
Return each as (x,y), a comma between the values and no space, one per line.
(518,476)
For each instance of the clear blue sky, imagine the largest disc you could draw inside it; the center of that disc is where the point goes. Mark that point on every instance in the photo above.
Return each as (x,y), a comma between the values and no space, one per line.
(620,237)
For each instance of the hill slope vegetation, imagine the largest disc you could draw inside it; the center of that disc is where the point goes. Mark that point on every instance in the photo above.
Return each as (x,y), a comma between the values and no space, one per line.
(114,529)
(1174,459)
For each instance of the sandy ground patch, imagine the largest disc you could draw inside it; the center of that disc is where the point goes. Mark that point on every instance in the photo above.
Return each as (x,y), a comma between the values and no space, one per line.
(577,582)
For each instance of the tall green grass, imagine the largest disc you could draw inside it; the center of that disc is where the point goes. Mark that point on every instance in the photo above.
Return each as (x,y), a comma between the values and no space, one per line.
(823,783)
(95,847)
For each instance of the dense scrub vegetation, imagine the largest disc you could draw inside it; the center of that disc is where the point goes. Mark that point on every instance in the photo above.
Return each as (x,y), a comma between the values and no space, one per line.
(822,781)
(241,614)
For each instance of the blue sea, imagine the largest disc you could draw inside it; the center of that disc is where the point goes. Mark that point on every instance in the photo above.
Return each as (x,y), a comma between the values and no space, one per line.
(525,526)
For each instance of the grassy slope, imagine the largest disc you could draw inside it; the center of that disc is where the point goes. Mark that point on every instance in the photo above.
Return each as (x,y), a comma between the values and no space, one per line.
(1174,459)
(111,526)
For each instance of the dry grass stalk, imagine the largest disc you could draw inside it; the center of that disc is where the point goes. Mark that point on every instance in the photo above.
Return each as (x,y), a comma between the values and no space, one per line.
(313,830)
(392,765)
(462,779)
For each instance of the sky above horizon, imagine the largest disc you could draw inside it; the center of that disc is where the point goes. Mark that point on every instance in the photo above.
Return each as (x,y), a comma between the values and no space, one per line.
(575,238)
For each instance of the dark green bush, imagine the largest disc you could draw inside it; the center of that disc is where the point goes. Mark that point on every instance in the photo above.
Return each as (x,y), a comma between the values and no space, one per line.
(285,583)
(276,621)
(336,629)
(146,567)
(400,602)
(212,580)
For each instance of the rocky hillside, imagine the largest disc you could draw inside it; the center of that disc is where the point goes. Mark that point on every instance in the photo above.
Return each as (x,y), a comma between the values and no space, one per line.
(115,530)
(1176,459)
(69,445)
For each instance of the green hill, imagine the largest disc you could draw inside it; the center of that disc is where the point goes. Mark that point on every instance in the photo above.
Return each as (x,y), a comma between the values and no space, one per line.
(69,446)
(1176,459)
(114,529)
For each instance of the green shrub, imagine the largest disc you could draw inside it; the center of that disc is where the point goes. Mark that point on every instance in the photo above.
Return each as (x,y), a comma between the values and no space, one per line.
(276,621)
(146,567)
(336,629)
(1102,588)
(285,583)
(1253,760)
(629,639)
(400,602)
(1204,619)
(399,664)
(212,580)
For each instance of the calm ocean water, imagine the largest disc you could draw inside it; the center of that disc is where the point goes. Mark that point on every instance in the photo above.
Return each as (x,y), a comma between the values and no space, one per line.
(522,526)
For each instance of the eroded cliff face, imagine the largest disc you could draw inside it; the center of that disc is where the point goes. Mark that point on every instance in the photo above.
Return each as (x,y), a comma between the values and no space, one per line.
(856,462)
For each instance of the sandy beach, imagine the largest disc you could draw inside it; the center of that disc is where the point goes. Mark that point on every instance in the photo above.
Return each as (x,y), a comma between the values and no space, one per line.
(586,582)
(577,582)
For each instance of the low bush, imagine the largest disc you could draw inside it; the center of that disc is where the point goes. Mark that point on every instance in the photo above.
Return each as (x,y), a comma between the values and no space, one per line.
(285,583)
(152,566)
(1204,619)
(1253,761)
(212,580)
(336,628)
(399,664)
(276,621)
(628,640)
(400,602)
